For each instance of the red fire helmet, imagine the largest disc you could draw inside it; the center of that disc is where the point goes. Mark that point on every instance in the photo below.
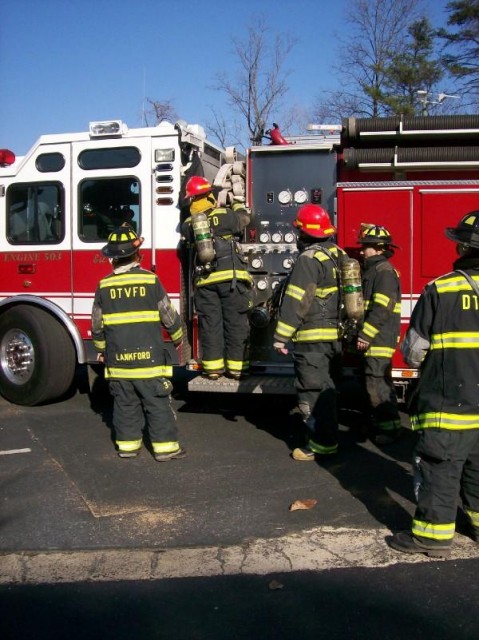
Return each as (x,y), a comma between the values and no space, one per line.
(314,221)
(197,186)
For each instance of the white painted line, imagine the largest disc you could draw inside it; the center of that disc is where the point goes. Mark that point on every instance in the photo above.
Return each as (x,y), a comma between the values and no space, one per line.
(12,451)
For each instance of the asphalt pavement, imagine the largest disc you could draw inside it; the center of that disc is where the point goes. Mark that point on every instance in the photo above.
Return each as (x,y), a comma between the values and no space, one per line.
(208,547)
(69,490)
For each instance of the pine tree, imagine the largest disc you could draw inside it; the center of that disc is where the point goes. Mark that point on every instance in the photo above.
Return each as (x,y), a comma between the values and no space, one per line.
(412,69)
(462,45)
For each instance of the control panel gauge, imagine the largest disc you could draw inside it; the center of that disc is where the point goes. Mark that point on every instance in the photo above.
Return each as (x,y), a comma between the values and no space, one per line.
(256,263)
(285,197)
(300,196)
(262,285)
(276,237)
(264,237)
(289,237)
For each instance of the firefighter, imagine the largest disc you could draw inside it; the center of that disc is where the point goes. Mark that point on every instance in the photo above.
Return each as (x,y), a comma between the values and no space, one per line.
(443,341)
(129,311)
(309,316)
(222,284)
(379,332)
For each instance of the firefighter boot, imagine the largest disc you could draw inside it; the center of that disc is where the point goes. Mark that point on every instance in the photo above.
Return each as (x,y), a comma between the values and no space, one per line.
(407,543)
(474,533)
(172,455)
(128,454)
(302,454)
(128,448)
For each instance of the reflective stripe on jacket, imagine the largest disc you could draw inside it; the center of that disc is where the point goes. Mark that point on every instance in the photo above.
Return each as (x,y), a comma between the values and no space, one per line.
(445,326)
(129,311)
(310,307)
(226,226)
(382,307)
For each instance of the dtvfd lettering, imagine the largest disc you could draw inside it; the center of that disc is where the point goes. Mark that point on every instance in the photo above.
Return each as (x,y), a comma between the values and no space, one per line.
(470,302)
(116,293)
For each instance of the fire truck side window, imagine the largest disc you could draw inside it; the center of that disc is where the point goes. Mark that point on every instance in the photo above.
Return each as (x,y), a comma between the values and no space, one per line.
(35,213)
(106,203)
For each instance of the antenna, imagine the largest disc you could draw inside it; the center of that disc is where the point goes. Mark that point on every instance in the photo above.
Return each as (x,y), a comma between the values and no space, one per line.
(442,96)
(143,114)
(423,97)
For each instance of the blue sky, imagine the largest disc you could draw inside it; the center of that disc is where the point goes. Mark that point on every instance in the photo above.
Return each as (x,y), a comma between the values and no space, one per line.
(64,63)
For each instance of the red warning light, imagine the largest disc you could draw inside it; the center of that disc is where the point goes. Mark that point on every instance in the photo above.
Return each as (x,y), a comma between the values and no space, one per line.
(7,157)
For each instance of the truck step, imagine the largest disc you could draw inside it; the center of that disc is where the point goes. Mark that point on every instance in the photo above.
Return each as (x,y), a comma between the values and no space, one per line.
(253,384)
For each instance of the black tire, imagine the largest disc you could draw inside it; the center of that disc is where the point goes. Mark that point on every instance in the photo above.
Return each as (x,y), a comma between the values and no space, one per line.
(37,356)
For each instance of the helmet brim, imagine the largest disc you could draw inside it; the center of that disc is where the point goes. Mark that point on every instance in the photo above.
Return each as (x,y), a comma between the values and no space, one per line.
(315,233)
(122,249)
(462,236)
(111,252)
(377,243)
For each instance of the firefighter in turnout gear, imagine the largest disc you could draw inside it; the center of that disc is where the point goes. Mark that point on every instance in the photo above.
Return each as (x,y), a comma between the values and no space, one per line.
(309,316)
(379,333)
(443,341)
(222,285)
(129,311)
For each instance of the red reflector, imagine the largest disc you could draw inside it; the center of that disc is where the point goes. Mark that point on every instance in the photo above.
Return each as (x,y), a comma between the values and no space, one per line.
(7,157)
(26,268)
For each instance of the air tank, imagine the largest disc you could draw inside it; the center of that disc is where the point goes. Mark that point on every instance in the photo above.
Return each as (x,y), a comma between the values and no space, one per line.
(352,290)
(203,238)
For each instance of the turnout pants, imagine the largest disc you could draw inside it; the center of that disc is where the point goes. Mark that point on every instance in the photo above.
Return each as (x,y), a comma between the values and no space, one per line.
(137,401)
(318,369)
(224,326)
(380,394)
(446,467)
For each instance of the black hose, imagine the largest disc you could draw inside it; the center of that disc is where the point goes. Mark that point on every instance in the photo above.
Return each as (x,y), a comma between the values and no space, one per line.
(353,127)
(352,158)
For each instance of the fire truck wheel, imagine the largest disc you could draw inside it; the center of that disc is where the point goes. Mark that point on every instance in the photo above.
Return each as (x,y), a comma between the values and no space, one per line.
(37,357)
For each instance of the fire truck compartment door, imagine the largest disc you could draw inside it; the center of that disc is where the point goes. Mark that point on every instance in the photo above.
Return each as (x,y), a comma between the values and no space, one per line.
(111,184)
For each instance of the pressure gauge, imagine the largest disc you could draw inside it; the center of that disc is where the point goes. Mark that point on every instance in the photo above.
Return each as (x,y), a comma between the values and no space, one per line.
(276,237)
(264,237)
(262,285)
(284,197)
(256,263)
(288,263)
(300,197)
(274,284)
(289,237)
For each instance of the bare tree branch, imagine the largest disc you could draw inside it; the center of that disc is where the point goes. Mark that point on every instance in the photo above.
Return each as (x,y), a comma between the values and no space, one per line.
(158,111)
(260,84)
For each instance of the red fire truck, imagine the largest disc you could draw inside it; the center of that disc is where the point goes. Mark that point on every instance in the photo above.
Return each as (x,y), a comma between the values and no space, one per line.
(58,205)
(62,199)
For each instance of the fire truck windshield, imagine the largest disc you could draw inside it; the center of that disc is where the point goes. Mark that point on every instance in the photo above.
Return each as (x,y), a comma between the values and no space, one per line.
(105,204)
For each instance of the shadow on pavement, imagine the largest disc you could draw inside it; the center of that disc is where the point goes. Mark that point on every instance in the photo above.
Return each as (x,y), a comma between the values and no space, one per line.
(403,601)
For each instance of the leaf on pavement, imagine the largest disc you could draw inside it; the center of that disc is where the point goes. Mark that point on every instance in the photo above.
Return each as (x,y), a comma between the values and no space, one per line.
(274,585)
(302,504)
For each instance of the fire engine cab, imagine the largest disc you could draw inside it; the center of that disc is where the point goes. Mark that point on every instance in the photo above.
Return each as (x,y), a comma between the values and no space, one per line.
(59,203)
